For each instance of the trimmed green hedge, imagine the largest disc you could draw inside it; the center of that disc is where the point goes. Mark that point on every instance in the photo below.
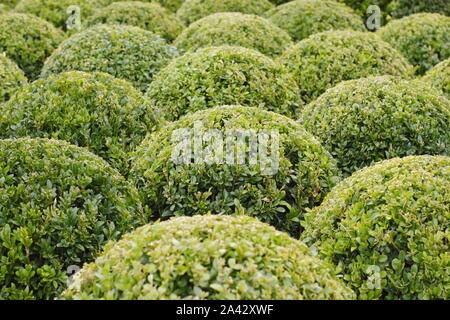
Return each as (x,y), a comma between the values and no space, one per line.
(304,175)
(303,18)
(59,204)
(401,8)
(172,5)
(325,59)
(439,77)
(117,49)
(367,120)
(11,78)
(28,40)
(387,228)
(55,11)
(207,257)
(97,111)
(148,16)
(219,76)
(361,6)
(235,29)
(193,10)
(422,38)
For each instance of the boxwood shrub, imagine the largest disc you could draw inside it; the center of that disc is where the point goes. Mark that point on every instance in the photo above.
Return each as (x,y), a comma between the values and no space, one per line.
(235,29)
(193,10)
(172,5)
(325,59)
(11,78)
(3,8)
(387,228)
(439,77)
(149,16)
(305,171)
(423,38)
(59,204)
(367,120)
(28,40)
(401,8)
(55,11)
(207,257)
(361,6)
(219,76)
(97,111)
(9,3)
(126,52)
(302,18)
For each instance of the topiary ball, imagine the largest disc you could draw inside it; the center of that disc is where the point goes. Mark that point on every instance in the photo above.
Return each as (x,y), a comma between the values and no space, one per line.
(56,11)
(207,257)
(172,5)
(59,204)
(275,170)
(223,75)
(148,16)
(193,10)
(235,29)
(125,52)
(367,120)
(387,227)
(97,111)
(325,59)
(303,18)
(401,8)
(361,6)
(422,38)
(11,78)
(28,40)
(439,77)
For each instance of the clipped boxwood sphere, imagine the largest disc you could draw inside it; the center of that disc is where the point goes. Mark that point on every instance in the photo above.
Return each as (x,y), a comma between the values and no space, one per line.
(97,111)
(361,6)
(439,77)
(59,204)
(193,10)
(401,8)
(125,52)
(325,59)
(172,5)
(367,120)
(56,11)
(277,191)
(219,76)
(148,16)
(11,78)
(303,18)
(207,257)
(28,40)
(422,38)
(235,29)
(387,228)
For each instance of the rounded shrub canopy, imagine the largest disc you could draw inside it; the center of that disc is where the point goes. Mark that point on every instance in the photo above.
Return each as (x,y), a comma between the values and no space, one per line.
(235,29)
(59,204)
(294,174)
(28,40)
(361,6)
(11,78)
(303,18)
(207,257)
(439,77)
(148,16)
(325,59)
(172,5)
(96,111)
(117,49)
(56,11)
(193,10)
(219,76)
(387,227)
(367,120)
(400,8)
(422,38)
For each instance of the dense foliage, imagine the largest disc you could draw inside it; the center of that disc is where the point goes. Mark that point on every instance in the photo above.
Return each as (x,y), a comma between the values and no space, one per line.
(235,29)
(11,78)
(223,76)
(387,229)
(59,204)
(401,8)
(439,77)
(199,261)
